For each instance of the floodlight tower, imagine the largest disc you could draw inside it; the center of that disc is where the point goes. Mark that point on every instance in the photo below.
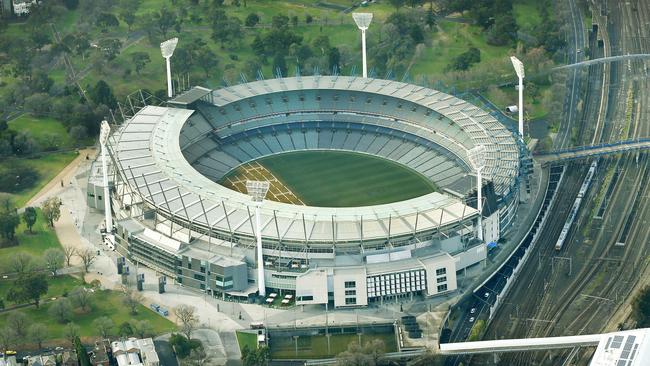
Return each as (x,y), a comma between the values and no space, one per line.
(257,190)
(363,22)
(167,49)
(519,69)
(477,157)
(105,131)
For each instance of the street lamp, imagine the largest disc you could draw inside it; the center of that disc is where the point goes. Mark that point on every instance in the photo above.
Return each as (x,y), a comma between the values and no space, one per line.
(104,133)
(167,49)
(519,69)
(257,190)
(363,22)
(477,157)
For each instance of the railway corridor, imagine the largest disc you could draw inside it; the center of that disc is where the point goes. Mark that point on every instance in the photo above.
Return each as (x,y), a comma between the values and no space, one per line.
(578,289)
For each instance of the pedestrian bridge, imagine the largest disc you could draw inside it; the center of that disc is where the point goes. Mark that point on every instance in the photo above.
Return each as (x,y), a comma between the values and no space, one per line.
(582,152)
(518,345)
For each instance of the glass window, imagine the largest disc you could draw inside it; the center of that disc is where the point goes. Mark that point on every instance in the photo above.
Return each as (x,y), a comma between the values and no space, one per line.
(441,271)
(351,301)
(442,279)
(442,288)
(350,292)
(350,284)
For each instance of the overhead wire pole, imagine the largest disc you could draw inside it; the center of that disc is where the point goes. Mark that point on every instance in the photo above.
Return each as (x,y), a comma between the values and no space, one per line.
(363,22)
(257,190)
(477,157)
(167,49)
(519,69)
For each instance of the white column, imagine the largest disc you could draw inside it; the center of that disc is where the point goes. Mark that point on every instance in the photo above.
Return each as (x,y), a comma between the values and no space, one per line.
(107,197)
(479,202)
(363,48)
(260,258)
(169,77)
(521,108)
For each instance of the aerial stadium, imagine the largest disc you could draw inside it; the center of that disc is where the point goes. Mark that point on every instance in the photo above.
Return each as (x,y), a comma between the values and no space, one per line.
(372,189)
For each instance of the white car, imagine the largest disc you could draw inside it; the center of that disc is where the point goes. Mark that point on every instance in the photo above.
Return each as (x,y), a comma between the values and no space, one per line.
(471,320)
(472,311)
(486,295)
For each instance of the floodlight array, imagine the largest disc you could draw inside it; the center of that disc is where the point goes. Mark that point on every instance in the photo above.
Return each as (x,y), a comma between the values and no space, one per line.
(257,189)
(477,156)
(519,67)
(104,132)
(362,20)
(167,48)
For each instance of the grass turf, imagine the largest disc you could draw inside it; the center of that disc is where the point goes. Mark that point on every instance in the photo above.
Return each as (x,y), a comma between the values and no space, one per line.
(316,346)
(57,286)
(105,303)
(35,244)
(344,179)
(245,339)
(47,166)
(46,131)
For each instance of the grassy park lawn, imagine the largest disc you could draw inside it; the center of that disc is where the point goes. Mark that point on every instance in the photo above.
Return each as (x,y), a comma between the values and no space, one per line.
(47,165)
(507,96)
(105,303)
(35,243)
(57,286)
(245,339)
(46,131)
(316,346)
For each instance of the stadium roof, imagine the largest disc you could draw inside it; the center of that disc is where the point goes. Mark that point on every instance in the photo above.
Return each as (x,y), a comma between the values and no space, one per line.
(158,171)
(149,156)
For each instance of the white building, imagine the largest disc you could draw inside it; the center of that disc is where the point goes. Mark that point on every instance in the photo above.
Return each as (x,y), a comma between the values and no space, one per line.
(135,352)
(21,7)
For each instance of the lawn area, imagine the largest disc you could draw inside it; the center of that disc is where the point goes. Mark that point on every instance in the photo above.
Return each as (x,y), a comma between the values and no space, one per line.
(527,14)
(245,339)
(47,165)
(48,132)
(316,346)
(507,96)
(343,179)
(57,286)
(105,303)
(35,244)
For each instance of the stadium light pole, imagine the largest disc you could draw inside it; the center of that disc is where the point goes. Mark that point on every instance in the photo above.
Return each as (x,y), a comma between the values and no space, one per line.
(104,133)
(477,158)
(257,190)
(167,49)
(519,69)
(363,22)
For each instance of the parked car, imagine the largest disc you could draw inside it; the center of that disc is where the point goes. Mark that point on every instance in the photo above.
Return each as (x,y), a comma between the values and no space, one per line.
(472,311)
(471,320)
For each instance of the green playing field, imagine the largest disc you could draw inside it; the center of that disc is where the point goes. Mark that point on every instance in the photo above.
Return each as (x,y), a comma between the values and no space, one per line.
(342,179)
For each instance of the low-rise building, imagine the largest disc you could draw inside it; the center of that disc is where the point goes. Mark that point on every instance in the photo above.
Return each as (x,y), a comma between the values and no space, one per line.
(135,352)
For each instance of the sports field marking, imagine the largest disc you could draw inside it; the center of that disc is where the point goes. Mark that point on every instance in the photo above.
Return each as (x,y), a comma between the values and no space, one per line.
(278,191)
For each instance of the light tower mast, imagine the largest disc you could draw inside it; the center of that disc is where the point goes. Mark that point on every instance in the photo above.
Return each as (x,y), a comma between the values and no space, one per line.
(257,190)
(363,22)
(167,49)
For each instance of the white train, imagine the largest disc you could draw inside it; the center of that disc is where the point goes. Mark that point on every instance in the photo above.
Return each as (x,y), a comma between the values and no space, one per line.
(576,205)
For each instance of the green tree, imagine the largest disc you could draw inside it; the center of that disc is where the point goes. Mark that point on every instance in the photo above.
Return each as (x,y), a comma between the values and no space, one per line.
(334,58)
(54,259)
(111,47)
(19,322)
(9,221)
(207,60)
(641,308)
(82,298)
(28,287)
(104,326)
(140,60)
(128,17)
(142,328)
(256,357)
(125,330)
(52,209)
(29,217)
(105,20)
(252,19)
(38,333)
(71,332)
(61,310)
(165,20)
(279,64)
(82,355)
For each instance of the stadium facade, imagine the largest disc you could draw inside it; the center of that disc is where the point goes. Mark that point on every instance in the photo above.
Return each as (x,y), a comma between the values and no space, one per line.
(172,216)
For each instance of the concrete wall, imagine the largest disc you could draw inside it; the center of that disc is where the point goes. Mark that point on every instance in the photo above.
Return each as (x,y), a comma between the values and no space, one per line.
(313,284)
(441,274)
